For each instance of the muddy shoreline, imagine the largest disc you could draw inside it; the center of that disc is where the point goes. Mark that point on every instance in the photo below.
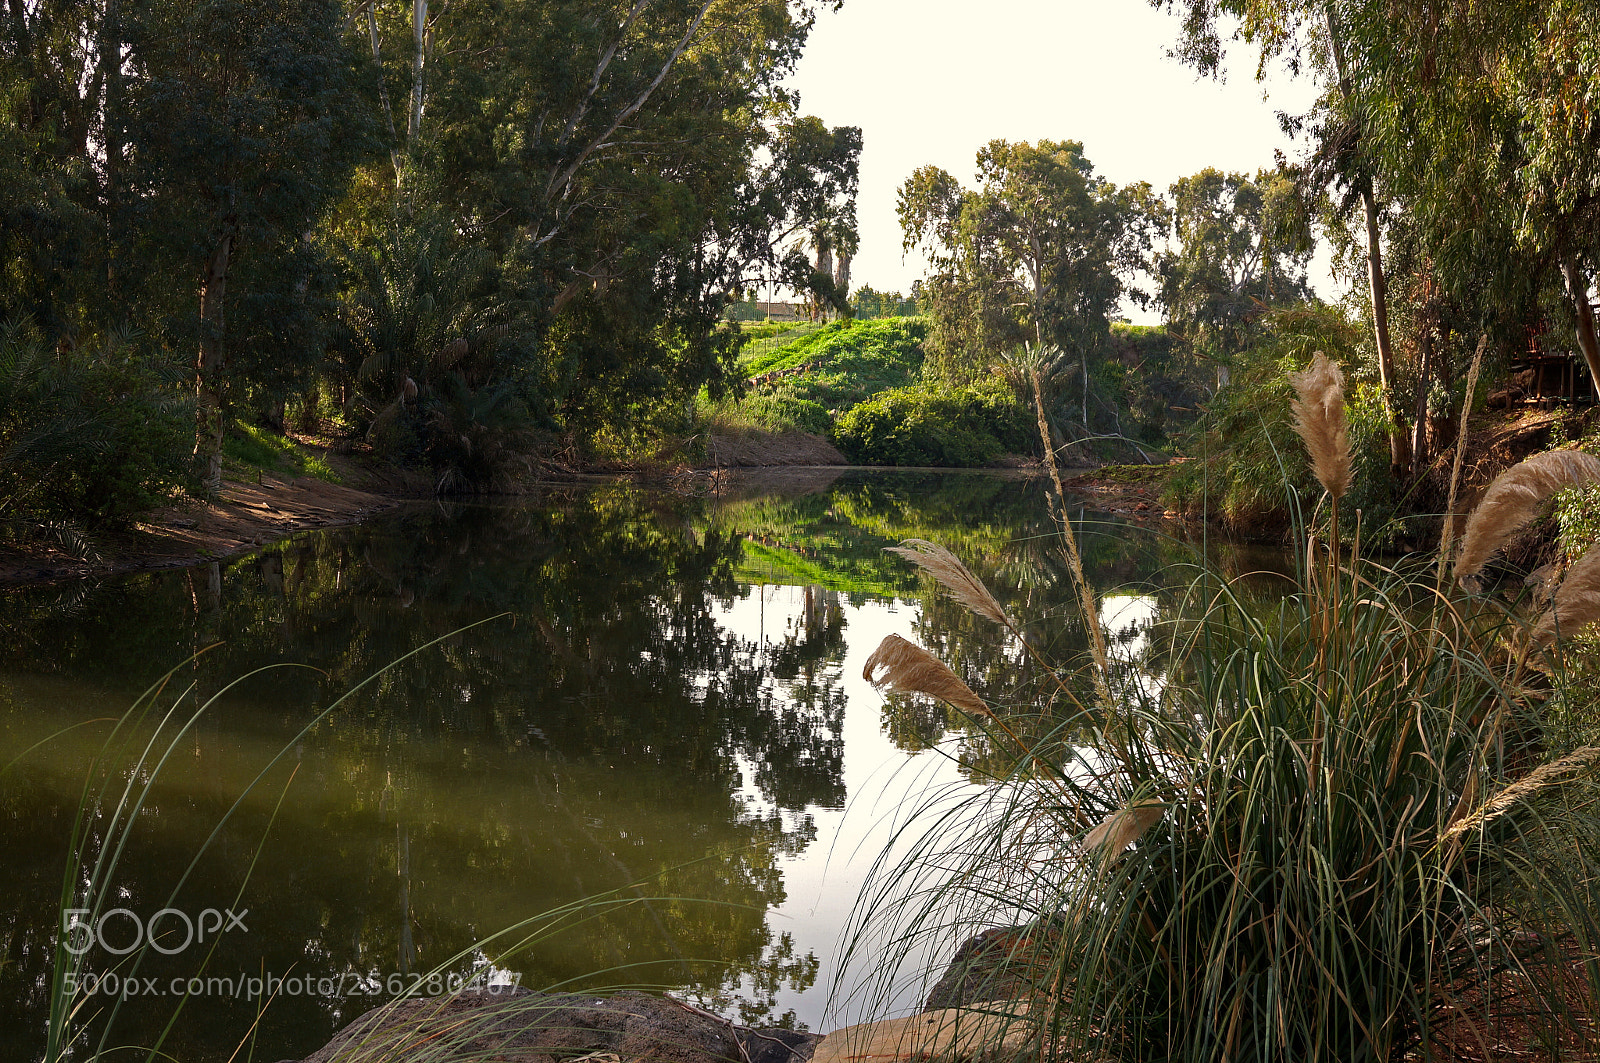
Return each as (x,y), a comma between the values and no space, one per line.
(257,512)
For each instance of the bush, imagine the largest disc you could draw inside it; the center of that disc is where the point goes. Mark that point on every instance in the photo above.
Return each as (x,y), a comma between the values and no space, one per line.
(1248,469)
(921,425)
(1328,828)
(89,436)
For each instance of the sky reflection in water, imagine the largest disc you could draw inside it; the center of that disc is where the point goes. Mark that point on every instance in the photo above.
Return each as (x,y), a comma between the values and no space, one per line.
(672,708)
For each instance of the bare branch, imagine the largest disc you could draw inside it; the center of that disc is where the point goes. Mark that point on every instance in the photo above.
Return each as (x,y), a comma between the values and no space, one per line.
(563,178)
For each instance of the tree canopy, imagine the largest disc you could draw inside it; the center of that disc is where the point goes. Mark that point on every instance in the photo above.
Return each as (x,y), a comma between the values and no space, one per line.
(1043,250)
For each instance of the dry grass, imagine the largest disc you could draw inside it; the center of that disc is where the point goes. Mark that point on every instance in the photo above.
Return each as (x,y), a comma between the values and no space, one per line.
(1112,836)
(1576,602)
(1319,419)
(906,667)
(1554,773)
(1513,499)
(963,586)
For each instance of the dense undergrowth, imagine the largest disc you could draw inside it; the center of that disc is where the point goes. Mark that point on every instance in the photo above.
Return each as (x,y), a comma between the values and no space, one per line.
(865,386)
(1353,824)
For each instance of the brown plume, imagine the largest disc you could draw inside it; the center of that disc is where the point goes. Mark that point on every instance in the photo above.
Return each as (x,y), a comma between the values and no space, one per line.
(1320,420)
(1514,497)
(1545,775)
(905,666)
(1576,603)
(963,586)
(1122,828)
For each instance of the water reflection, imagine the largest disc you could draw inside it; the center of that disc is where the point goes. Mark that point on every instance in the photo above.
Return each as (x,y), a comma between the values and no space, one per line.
(667,706)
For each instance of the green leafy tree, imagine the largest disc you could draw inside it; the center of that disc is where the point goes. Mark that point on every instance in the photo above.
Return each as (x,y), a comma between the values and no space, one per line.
(1466,125)
(241,134)
(1239,252)
(625,169)
(1043,251)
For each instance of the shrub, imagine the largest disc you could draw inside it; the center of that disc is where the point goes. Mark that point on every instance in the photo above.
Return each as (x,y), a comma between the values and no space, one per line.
(1322,830)
(1246,467)
(89,436)
(921,425)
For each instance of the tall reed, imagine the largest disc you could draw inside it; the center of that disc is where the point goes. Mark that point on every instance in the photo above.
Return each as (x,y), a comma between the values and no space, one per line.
(1320,817)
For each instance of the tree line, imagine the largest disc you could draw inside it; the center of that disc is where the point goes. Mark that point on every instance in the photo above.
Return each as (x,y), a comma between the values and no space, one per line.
(1453,164)
(471,230)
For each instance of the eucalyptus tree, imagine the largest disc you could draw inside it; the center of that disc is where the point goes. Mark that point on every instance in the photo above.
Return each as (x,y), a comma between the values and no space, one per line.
(172,159)
(240,135)
(1043,250)
(1471,119)
(625,166)
(1241,249)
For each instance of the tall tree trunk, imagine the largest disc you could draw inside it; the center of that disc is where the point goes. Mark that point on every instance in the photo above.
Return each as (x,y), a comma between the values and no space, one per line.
(1377,283)
(383,93)
(419,40)
(109,49)
(1578,292)
(210,365)
(1420,443)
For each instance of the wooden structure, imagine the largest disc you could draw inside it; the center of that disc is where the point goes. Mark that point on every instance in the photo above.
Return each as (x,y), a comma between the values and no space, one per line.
(1550,373)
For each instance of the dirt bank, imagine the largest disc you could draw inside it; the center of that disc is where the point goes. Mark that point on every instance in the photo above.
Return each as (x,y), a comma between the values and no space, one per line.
(253,510)
(1132,491)
(757,449)
(248,515)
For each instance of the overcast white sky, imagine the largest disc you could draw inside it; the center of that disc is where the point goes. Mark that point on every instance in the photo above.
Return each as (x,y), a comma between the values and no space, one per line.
(931,81)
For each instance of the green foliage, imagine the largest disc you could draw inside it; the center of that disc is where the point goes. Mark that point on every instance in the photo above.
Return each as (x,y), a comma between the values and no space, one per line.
(879,349)
(1245,465)
(1043,250)
(260,448)
(781,409)
(834,366)
(868,303)
(89,437)
(1283,827)
(1241,249)
(932,426)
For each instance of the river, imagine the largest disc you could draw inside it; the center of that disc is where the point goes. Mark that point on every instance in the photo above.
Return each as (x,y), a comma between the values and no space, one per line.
(600,692)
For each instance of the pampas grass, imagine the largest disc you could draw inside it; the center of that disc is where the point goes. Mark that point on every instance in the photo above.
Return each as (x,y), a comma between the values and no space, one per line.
(1555,773)
(1576,603)
(1319,419)
(1514,497)
(1112,836)
(906,667)
(1319,861)
(954,577)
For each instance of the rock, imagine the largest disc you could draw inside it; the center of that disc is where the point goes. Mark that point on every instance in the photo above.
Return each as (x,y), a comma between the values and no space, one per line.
(516,1026)
(994,1031)
(978,971)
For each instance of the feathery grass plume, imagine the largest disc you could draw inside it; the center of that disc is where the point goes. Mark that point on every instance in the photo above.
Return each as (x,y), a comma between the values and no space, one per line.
(1544,776)
(905,666)
(1112,836)
(963,586)
(1512,499)
(1448,534)
(1319,419)
(1576,602)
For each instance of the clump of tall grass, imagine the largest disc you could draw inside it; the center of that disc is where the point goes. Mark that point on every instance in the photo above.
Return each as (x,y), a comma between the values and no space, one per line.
(1322,826)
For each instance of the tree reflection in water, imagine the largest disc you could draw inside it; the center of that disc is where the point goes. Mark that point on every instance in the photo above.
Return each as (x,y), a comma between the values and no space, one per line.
(611,732)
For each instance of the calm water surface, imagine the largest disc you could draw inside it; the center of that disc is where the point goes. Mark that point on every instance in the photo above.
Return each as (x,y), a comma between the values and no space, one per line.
(661,703)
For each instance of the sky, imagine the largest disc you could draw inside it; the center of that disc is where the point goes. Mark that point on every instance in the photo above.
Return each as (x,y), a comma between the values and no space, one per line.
(932,81)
